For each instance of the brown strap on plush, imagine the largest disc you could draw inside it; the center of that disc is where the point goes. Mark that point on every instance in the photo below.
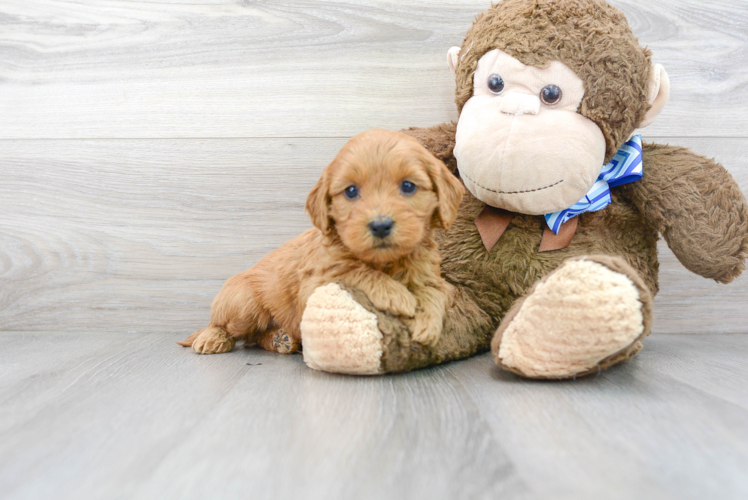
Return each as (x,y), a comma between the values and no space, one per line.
(491,224)
(552,241)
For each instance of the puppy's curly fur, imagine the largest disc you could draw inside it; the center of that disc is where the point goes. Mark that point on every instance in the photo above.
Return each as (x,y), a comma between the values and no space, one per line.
(399,271)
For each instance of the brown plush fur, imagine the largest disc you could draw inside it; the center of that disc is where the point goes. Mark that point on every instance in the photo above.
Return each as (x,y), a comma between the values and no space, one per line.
(692,201)
(589,36)
(697,207)
(399,273)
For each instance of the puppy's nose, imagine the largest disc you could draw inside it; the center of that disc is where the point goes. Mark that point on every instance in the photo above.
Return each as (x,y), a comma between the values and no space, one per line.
(381,226)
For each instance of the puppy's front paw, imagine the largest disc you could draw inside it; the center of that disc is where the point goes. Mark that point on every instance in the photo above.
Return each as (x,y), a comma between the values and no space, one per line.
(395,301)
(404,304)
(426,329)
(213,340)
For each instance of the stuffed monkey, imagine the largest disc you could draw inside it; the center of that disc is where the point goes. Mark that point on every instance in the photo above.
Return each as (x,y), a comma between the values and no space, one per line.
(554,252)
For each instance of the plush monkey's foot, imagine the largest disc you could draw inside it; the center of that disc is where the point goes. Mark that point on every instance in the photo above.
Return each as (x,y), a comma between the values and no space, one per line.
(339,335)
(589,314)
(211,340)
(279,340)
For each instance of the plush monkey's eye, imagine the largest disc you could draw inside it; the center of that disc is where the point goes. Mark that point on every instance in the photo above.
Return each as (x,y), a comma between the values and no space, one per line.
(495,84)
(351,192)
(550,94)
(407,187)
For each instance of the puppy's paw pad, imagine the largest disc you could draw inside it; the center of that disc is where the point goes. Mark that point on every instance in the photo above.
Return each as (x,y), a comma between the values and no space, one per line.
(284,343)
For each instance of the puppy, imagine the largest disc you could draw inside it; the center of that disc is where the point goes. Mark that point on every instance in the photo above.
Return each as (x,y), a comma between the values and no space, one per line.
(374,211)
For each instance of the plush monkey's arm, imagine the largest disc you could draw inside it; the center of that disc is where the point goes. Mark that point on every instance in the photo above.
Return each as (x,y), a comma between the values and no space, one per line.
(697,207)
(439,140)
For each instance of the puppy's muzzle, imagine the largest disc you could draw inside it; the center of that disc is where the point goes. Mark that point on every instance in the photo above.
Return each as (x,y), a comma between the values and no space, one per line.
(381,227)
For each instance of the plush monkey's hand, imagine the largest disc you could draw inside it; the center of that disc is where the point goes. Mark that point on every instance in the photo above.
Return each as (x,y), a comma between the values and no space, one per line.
(697,207)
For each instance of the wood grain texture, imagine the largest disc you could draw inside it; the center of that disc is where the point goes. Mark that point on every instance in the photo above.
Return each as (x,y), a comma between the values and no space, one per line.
(134,416)
(136,235)
(672,421)
(222,68)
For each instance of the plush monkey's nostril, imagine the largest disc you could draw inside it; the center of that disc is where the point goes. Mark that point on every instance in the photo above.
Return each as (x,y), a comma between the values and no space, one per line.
(381,226)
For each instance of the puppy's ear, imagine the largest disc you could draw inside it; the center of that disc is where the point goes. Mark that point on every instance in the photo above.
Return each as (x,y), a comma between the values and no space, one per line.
(318,203)
(449,190)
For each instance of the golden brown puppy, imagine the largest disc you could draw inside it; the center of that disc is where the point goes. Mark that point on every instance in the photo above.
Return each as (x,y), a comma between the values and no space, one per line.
(374,210)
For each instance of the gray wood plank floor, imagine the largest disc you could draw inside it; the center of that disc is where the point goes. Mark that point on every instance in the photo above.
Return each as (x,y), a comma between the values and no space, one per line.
(135,416)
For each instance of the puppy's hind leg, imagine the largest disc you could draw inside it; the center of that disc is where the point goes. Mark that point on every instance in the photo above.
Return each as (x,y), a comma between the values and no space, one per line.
(276,339)
(210,340)
(236,314)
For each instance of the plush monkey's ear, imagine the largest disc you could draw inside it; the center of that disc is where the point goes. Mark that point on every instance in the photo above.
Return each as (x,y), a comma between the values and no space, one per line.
(453,57)
(659,93)
(448,188)
(318,203)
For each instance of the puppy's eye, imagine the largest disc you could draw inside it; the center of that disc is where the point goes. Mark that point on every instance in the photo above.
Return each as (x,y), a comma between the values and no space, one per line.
(351,192)
(407,187)
(495,84)
(551,94)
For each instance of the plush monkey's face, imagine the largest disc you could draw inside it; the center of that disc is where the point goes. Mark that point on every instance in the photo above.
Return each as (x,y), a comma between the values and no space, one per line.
(521,143)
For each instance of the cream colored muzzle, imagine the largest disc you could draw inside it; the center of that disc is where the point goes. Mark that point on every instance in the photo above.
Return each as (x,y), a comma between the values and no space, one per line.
(517,103)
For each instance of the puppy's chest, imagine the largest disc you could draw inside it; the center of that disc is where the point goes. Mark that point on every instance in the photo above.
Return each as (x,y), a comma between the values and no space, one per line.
(399,273)
(420,269)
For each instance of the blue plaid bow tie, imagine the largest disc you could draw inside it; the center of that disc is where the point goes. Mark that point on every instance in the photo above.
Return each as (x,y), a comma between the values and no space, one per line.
(625,167)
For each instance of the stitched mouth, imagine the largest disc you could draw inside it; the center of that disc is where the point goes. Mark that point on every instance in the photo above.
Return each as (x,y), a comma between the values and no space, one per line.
(510,192)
